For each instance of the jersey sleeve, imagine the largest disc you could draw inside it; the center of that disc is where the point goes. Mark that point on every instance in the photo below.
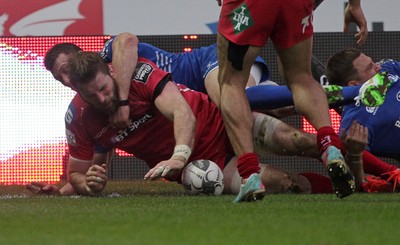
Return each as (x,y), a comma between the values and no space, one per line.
(148,79)
(106,52)
(79,144)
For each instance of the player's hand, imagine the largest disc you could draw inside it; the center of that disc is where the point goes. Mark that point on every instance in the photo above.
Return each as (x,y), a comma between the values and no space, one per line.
(96,177)
(120,119)
(354,13)
(41,188)
(165,169)
(356,139)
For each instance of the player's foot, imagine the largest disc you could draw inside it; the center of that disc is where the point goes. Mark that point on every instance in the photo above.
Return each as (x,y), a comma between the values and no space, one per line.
(373,184)
(394,177)
(334,93)
(252,190)
(373,92)
(340,174)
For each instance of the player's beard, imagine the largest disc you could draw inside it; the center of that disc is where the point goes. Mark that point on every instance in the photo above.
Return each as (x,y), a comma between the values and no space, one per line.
(111,107)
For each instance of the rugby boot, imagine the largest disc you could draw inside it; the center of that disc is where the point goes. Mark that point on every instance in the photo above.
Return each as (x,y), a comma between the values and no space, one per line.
(342,179)
(252,190)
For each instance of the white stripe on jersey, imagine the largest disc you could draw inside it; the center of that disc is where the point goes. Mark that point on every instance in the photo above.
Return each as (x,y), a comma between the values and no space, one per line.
(163,62)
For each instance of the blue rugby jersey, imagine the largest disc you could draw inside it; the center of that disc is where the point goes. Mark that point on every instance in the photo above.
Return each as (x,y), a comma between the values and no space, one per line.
(188,68)
(383,122)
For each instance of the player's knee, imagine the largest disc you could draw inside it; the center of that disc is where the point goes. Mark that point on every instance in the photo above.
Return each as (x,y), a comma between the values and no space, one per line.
(236,55)
(264,131)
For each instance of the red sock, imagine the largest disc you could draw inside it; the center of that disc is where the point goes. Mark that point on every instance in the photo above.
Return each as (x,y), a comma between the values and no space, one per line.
(374,165)
(319,184)
(248,164)
(326,136)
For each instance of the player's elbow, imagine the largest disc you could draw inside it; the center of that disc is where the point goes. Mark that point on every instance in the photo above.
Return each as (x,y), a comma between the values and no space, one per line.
(127,40)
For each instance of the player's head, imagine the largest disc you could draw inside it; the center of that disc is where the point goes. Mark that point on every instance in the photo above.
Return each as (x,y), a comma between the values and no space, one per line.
(350,67)
(56,60)
(92,79)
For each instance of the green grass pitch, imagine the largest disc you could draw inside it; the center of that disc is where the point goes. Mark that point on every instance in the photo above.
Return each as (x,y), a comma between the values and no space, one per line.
(141,212)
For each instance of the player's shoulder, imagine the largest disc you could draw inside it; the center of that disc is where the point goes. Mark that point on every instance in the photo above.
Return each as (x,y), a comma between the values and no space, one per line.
(146,71)
(75,109)
(389,64)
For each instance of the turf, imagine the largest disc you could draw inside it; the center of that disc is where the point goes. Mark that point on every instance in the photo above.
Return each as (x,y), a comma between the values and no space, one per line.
(159,213)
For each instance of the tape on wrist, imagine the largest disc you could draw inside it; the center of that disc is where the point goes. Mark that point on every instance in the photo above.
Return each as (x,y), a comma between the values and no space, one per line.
(182,151)
(90,191)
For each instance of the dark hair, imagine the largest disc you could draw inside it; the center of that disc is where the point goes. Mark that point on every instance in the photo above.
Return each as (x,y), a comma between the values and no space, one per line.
(60,48)
(339,68)
(84,66)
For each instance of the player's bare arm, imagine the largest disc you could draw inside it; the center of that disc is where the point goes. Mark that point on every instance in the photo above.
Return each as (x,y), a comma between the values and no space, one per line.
(124,60)
(42,188)
(172,105)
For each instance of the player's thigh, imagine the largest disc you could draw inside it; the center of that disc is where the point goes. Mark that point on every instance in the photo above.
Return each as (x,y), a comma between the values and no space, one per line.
(235,61)
(296,61)
(212,86)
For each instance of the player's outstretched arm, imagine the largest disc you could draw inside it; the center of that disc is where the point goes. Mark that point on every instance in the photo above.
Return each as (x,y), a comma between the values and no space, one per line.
(173,105)
(42,188)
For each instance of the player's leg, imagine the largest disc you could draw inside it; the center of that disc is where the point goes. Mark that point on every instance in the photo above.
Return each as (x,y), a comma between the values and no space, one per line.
(212,86)
(275,180)
(235,62)
(276,137)
(310,101)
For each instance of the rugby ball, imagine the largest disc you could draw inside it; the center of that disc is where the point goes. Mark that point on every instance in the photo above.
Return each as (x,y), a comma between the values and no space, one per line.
(203,177)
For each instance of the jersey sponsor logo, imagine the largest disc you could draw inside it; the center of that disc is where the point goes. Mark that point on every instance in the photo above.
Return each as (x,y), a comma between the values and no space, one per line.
(392,77)
(384,61)
(241,19)
(102,131)
(371,110)
(51,17)
(70,137)
(307,21)
(126,132)
(69,116)
(142,72)
(397,123)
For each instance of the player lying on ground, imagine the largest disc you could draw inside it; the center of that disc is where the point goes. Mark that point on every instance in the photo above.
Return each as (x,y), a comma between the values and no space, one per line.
(293,135)
(378,110)
(165,117)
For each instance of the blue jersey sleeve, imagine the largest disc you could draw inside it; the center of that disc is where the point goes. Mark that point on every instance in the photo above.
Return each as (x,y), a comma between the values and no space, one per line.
(106,52)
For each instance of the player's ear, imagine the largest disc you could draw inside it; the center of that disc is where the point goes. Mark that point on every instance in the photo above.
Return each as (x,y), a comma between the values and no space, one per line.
(111,69)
